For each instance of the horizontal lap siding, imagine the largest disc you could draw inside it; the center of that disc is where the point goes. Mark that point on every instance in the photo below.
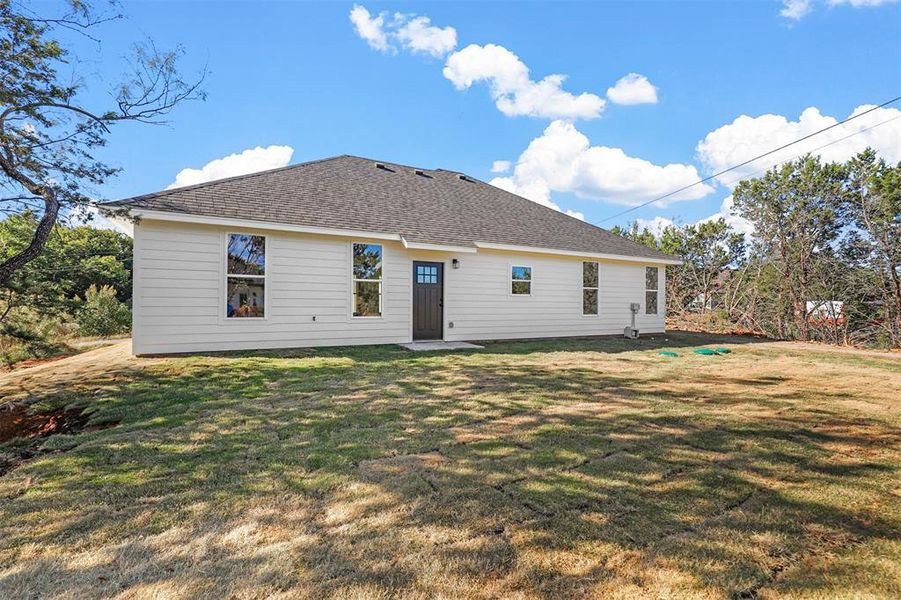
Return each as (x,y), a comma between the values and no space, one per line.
(480,305)
(180,281)
(179,293)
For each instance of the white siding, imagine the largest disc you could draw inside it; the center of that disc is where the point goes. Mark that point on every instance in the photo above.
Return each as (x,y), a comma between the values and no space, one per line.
(179,294)
(480,305)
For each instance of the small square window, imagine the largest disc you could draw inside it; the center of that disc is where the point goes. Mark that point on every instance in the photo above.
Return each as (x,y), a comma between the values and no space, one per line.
(521,281)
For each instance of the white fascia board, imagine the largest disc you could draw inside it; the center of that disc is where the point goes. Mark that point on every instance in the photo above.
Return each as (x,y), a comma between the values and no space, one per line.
(156,215)
(638,259)
(437,247)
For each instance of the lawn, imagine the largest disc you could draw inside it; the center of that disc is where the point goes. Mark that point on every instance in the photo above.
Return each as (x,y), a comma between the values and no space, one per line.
(565,468)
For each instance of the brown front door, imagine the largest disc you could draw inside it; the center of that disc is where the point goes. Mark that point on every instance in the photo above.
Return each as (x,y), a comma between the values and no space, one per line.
(428,300)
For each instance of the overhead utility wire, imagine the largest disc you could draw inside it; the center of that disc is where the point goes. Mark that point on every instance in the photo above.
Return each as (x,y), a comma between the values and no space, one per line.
(732,168)
(841,139)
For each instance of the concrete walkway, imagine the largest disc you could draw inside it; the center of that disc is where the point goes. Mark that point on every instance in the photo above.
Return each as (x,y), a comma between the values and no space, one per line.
(71,372)
(437,345)
(100,342)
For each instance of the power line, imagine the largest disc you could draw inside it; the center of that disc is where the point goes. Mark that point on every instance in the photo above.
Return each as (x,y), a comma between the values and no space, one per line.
(841,139)
(732,168)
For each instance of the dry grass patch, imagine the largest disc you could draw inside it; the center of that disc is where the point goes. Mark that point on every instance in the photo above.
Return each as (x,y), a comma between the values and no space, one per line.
(578,468)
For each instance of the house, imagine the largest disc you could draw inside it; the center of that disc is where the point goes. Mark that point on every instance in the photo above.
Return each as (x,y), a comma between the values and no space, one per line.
(825,312)
(348,250)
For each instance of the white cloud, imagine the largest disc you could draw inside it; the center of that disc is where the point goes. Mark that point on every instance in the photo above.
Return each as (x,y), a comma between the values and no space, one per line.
(727,212)
(500,166)
(575,214)
(507,77)
(513,91)
(562,160)
(798,9)
(747,137)
(633,89)
(411,32)
(795,9)
(248,161)
(417,35)
(655,225)
(370,29)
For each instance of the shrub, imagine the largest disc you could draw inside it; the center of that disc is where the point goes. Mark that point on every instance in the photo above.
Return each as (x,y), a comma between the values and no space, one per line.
(24,335)
(102,314)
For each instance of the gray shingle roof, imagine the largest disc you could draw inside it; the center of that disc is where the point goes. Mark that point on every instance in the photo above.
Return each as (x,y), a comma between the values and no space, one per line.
(349,192)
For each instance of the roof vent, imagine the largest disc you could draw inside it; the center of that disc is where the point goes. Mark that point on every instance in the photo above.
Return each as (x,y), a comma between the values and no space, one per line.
(379,165)
(462,176)
(418,171)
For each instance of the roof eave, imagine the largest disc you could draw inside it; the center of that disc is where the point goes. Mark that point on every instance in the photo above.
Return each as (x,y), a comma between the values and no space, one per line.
(179,217)
(663,259)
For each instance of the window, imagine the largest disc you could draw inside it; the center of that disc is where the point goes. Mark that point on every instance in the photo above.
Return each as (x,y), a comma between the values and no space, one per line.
(650,293)
(522,280)
(426,274)
(589,288)
(245,295)
(367,280)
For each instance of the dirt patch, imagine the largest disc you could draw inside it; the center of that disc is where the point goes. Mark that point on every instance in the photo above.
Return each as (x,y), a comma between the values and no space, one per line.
(20,422)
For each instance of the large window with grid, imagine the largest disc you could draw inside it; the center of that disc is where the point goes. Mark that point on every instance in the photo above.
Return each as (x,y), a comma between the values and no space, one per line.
(245,279)
(650,290)
(589,288)
(367,280)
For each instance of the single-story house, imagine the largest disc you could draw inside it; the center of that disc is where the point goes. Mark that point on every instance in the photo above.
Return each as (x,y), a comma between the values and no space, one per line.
(349,250)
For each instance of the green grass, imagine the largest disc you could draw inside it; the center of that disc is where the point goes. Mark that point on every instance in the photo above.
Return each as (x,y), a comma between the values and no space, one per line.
(547,469)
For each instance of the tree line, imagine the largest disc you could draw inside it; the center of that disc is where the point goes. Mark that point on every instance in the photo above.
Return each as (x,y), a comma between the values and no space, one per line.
(79,285)
(823,262)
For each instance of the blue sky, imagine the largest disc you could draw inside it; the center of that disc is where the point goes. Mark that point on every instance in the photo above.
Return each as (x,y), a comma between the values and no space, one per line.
(733,77)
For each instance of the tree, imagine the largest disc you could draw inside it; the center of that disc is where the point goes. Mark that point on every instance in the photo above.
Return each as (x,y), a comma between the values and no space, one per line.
(641,235)
(101,313)
(48,137)
(794,209)
(708,250)
(874,204)
(73,259)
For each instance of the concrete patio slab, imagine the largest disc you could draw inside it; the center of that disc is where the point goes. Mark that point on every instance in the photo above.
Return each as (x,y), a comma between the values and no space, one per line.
(432,346)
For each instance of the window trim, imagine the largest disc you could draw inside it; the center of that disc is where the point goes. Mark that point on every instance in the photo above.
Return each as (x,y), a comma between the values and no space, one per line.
(597,289)
(656,290)
(354,280)
(223,294)
(510,279)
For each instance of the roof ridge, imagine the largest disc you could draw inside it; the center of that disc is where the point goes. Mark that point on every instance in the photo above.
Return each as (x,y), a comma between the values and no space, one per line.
(330,194)
(203,184)
(166,192)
